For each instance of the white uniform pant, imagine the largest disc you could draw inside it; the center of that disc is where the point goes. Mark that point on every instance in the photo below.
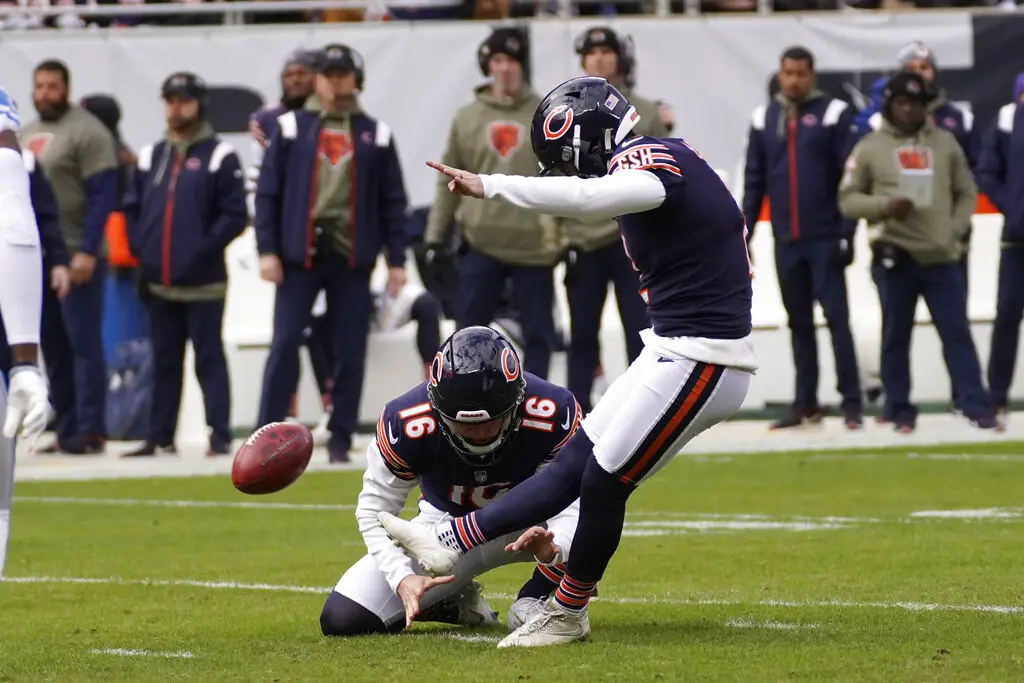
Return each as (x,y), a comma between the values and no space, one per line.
(653,409)
(365,584)
(6,480)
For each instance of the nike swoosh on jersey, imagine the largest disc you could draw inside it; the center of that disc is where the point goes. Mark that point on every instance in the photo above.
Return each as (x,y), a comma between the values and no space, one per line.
(391,437)
(568,418)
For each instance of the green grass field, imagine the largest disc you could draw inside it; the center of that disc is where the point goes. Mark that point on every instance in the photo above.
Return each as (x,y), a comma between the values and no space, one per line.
(765,567)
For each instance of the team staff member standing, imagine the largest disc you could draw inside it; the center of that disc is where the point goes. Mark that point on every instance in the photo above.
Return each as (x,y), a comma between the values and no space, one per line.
(186,203)
(491,135)
(596,255)
(296,86)
(1001,176)
(79,156)
(795,155)
(330,195)
(912,182)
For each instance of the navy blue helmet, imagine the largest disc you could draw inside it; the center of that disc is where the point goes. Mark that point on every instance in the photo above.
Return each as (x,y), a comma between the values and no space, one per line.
(579,124)
(476,377)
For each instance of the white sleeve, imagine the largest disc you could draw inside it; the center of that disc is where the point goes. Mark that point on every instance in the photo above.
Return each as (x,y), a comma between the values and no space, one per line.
(382,492)
(563,526)
(21,258)
(252,175)
(610,196)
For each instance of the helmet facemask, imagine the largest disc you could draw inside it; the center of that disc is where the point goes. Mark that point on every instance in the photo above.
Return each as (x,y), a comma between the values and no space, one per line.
(471,450)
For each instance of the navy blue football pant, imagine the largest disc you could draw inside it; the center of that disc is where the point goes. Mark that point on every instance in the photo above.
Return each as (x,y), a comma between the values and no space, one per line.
(481,281)
(942,287)
(72,344)
(586,284)
(1006,329)
(171,325)
(349,305)
(806,275)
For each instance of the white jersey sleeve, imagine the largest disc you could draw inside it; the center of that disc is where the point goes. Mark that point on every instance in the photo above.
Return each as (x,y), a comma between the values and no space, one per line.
(383,492)
(21,259)
(610,196)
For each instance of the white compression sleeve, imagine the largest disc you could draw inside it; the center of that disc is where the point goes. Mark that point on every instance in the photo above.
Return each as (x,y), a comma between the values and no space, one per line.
(21,258)
(610,196)
(382,492)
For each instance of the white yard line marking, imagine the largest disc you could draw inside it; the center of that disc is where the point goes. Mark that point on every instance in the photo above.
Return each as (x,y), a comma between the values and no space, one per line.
(465,637)
(772,625)
(190,583)
(639,524)
(987,513)
(717,602)
(182,503)
(624,600)
(124,652)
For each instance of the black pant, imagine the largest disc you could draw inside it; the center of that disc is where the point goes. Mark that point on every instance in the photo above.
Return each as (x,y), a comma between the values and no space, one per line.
(586,284)
(1006,329)
(171,325)
(481,281)
(349,305)
(72,344)
(942,287)
(806,275)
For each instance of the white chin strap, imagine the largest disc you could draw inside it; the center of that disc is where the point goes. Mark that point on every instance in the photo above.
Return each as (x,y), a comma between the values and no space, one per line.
(626,125)
(576,144)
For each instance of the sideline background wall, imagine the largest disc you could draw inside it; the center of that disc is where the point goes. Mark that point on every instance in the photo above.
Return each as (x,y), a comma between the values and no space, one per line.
(713,71)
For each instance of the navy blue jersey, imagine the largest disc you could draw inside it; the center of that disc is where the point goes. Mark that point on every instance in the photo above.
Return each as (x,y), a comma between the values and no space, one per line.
(690,252)
(413,447)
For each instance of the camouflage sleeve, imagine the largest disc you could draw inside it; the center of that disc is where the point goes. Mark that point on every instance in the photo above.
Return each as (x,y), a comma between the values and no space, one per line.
(855,190)
(97,151)
(445,202)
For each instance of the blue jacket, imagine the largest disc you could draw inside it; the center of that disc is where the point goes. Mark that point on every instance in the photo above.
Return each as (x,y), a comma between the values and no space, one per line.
(1001,169)
(44,204)
(862,120)
(179,235)
(797,165)
(286,192)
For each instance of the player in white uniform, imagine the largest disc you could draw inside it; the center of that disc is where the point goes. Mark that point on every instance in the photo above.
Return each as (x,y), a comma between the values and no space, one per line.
(25,402)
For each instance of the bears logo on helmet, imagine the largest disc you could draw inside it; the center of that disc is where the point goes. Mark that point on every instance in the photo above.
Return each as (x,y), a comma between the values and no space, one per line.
(560,110)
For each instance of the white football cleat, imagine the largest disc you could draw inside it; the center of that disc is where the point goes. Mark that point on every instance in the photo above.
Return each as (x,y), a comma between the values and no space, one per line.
(421,542)
(550,626)
(522,611)
(474,611)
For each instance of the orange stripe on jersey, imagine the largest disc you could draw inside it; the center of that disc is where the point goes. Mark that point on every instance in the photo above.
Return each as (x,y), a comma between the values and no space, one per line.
(699,387)
(572,429)
(664,167)
(389,455)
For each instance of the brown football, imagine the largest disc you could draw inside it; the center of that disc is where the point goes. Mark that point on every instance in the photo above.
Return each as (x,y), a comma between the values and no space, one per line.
(272,458)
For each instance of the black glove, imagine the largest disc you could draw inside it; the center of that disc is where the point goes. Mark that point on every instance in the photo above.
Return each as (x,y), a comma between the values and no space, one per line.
(842,252)
(571,258)
(141,287)
(432,252)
